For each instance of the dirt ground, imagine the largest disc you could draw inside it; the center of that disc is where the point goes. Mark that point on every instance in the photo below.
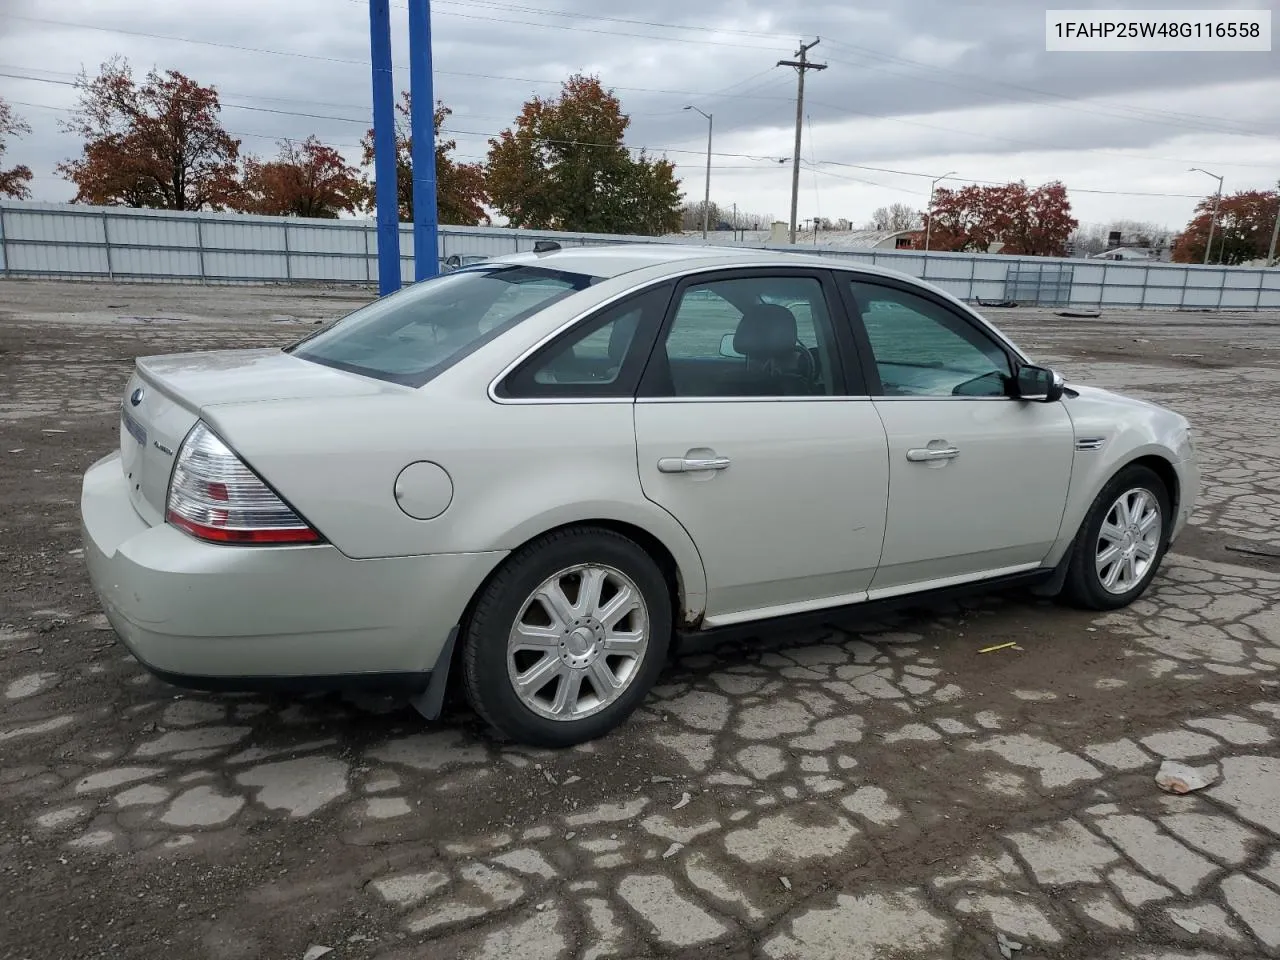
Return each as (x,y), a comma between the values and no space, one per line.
(860,791)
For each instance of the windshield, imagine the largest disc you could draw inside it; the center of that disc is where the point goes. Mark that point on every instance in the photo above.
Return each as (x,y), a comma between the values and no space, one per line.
(411,336)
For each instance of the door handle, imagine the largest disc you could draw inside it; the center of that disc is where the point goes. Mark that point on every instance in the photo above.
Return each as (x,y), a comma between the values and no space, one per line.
(925,454)
(691,464)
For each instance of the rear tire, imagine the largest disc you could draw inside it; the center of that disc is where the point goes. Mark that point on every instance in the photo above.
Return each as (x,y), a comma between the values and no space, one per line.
(1121,542)
(568,637)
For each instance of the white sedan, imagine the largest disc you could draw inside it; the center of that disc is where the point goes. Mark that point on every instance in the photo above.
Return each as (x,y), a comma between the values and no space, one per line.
(532,476)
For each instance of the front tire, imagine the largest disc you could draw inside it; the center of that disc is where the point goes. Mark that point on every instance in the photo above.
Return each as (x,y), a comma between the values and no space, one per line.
(1121,542)
(567,638)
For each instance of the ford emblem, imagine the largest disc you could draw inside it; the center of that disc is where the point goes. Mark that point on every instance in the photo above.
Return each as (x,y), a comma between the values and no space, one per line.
(135,398)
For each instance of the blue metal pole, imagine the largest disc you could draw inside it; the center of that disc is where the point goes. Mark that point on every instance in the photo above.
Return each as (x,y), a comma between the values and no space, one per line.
(384,147)
(425,214)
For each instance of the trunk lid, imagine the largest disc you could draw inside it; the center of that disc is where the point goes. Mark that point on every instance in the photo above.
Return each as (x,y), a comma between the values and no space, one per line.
(166,395)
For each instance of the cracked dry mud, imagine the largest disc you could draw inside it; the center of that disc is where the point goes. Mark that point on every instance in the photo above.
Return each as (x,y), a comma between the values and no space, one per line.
(860,790)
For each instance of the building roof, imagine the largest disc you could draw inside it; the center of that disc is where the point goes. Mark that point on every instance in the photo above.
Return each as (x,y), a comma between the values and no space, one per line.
(612,260)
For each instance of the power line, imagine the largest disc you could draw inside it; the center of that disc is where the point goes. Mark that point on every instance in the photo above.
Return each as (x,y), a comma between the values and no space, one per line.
(1032,143)
(1186,121)
(725,154)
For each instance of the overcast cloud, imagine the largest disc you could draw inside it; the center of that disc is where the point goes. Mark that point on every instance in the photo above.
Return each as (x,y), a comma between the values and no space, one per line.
(925,86)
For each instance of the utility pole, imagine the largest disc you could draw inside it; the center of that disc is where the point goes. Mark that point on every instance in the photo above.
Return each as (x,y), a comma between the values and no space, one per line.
(706,201)
(928,227)
(1213,219)
(801,65)
(1275,235)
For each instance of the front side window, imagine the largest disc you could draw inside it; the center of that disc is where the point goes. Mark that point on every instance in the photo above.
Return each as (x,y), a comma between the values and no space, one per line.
(766,336)
(411,336)
(921,348)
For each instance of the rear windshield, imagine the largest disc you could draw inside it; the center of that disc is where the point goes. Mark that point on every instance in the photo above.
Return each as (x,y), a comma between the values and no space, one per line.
(411,336)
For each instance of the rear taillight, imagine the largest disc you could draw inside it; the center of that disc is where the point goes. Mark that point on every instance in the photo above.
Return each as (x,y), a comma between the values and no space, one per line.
(214,496)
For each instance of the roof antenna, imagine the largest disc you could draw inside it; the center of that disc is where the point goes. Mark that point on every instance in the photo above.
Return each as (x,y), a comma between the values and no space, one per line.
(545,246)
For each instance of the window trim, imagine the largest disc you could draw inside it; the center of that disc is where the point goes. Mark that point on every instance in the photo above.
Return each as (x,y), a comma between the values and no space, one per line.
(634,361)
(849,383)
(866,355)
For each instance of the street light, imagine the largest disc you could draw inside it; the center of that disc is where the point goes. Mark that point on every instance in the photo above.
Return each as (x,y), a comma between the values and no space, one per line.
(706,203)
(928,227)
(1213,220)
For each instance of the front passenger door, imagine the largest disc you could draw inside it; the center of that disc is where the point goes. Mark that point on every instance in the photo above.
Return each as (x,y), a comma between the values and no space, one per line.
(977,480)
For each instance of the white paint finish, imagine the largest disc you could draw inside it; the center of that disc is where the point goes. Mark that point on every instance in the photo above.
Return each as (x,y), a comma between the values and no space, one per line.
(799,834)
(107,779)
(333,444)
(300,787)
(824,534)
(1214,834)
(539,936)
(29,685)
(710,879)
(423,490)
(1250,785)
(1156,853)
(143,795)
(870,926)
(201,807)
(409,889)
(1057,767)
(873,804)
(1256,905)
(1121,754)
(199,738)
(1063,853)
(978,512)
(675,921)
(1017,917)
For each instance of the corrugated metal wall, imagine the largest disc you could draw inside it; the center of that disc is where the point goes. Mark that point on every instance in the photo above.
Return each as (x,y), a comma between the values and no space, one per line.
(77,242)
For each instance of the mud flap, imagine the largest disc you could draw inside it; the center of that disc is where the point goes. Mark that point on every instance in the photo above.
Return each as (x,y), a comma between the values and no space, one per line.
(429,701)
(1053,585)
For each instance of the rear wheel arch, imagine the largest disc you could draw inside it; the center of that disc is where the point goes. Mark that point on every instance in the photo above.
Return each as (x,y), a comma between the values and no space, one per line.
(652,544)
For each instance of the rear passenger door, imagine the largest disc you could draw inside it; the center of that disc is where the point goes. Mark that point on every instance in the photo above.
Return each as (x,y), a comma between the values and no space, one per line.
(750,432)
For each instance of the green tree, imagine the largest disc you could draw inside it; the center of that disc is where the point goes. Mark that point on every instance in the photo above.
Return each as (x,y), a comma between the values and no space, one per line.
(564,167)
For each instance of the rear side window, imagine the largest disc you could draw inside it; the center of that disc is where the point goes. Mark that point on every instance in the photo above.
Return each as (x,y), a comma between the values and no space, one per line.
(601,357)
(413,335)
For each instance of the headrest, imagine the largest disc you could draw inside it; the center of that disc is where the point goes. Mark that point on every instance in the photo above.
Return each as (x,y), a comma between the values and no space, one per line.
(765,330)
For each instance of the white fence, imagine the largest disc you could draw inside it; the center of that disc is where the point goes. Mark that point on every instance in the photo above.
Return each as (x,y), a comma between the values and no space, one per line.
(116,243)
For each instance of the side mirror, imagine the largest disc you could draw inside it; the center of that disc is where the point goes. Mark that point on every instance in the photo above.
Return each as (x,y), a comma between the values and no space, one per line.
(726,347)
(1039,384)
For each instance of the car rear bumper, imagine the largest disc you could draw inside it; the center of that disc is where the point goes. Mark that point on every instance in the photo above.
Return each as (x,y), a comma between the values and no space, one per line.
(246,617)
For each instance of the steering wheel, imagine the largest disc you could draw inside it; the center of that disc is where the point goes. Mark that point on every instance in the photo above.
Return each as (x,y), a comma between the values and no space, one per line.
(810,372)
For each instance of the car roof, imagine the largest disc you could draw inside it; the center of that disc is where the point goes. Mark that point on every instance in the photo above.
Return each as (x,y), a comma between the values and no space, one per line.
(615,259)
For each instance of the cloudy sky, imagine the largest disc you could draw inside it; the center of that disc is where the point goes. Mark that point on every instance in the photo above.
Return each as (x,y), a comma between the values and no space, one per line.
(914,89)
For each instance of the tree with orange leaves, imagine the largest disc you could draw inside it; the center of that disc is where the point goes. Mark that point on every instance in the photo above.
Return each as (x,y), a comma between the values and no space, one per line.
(305,180)
(158,143)
(1029,222)
(1242,233)
(13,182)
(460,187)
